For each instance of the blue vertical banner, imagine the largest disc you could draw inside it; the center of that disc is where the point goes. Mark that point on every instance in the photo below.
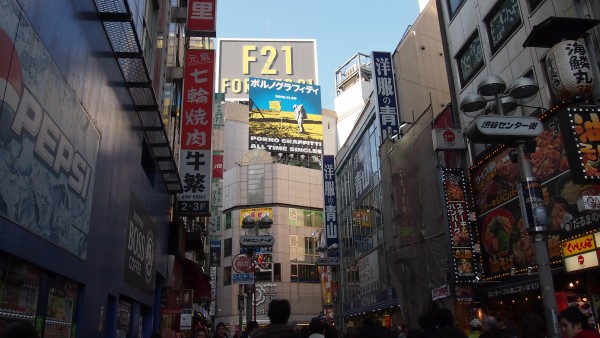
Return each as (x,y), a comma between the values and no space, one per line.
(385,92)
(330,205)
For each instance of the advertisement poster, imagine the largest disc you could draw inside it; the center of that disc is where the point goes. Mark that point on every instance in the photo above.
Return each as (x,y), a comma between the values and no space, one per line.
(255,213)
(285,117)
(48,144)
(141,246)
(504,242)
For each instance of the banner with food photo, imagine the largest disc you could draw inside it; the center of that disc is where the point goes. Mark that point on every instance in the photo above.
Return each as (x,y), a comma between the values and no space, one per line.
(457,211)
(494,184)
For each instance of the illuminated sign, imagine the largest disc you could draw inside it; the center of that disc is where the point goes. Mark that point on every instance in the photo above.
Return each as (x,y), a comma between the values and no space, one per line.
(503,129)
(581,252)
(281,60)
(583,143)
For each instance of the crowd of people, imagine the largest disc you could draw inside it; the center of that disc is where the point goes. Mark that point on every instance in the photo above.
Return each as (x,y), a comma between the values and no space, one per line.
(437,324)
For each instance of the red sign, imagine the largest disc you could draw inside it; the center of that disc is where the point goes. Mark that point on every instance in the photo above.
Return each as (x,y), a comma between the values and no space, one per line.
(196,122)
(201,17)
(242,263)
(217,163)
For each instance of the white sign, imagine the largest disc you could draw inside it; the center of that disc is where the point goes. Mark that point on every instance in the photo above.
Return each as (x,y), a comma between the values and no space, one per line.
(257,241)
(569,69)
(582,261)
(448,139)
(441,292)
(586,202)
(185,323)
(503,129)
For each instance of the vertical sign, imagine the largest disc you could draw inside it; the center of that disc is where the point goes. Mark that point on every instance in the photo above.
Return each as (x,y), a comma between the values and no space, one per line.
(457,209)
(361,168)
(141,245)
(385,91)
(196,124)
(215,253)
(201,17)
(582,139)
(330,205)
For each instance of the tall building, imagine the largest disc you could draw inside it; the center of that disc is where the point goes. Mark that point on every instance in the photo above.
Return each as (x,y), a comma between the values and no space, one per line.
(272,167)
(393,236)
(87,166)
(554,44)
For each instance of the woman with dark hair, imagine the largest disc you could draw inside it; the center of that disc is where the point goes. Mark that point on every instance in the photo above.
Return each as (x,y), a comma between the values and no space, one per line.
(532,326)
(221,330)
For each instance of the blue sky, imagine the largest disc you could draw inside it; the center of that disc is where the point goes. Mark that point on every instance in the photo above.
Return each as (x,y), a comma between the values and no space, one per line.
(341,28)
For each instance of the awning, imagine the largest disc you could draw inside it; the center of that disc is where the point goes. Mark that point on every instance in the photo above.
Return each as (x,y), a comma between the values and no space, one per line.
(194,278)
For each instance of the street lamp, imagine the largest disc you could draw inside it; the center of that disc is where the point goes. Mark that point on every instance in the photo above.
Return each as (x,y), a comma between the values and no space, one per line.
(533,211)
(250,223)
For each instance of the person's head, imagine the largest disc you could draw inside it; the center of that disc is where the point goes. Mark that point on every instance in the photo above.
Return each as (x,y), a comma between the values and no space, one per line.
(572,321)
(221,330)
(315,326)
(532,326)
(279,311)
(489,323)
(475,324)
(201,333)
(252,326)
(426,321)
(330,332)
(444,317)
(20,329)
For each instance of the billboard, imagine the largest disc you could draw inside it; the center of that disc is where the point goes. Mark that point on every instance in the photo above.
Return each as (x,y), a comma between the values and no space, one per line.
(282,60)
(48,144)
(196,125)
(285,117)
(385,90)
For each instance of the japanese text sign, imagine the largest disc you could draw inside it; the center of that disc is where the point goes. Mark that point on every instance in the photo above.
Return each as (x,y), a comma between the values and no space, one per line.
(196,126)
(330,205)
(582,137)
(201,17)
(385,93)
(569,71)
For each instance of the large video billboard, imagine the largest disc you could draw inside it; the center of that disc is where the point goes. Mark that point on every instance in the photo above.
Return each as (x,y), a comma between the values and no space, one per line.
(285,117)
(281,60)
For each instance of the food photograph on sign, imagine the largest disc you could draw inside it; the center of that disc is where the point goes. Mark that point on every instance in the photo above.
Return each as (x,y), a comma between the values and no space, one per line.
(285,117)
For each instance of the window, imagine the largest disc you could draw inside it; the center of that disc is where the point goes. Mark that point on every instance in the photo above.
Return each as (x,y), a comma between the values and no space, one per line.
(470,59)
(228,220)
(227,247)
(277,272)
(313,218)
(227,275)
(502,21)
(533,4)
(453,6)
(310,246)
(304,273)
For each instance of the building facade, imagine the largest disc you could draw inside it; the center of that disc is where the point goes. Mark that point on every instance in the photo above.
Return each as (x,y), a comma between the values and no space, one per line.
(86,188)
(503,38)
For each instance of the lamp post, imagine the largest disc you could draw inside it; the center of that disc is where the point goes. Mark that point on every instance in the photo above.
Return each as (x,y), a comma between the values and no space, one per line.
(533,211)
(250,223)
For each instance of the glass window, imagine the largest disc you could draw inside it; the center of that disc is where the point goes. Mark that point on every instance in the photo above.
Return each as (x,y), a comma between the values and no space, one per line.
(227,275)
(277,272)
(502,21)
(305,273)
(470,59)
(227,247)
(228,220)
(453,6)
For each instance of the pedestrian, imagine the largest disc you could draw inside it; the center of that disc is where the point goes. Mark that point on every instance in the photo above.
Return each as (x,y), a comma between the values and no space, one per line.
(369,329)
(574,324)
(201,333)
(315,328)
(475,326)
(279,314)
(445,324)
(253,325)
(427,323)
(490,329)
(300,115)
(221,330)
(20,329)
(532,326)
(330,332)
(403,331)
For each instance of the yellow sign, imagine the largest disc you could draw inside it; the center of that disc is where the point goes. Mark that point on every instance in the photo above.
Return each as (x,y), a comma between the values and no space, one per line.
(255,213)
(275,105)
(578,245)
